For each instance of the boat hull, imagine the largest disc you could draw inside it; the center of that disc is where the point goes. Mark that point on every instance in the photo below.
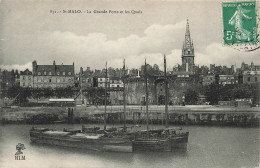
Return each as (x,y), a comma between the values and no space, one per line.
(103,144)
(179,141)
(77,139)
(151,145)
(172,143)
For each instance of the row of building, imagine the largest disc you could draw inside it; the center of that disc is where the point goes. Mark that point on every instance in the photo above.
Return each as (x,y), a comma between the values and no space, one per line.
(61,76)
(247,77)
(54,76)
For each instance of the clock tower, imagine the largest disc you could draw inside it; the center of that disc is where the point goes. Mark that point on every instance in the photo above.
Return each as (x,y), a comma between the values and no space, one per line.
(188,52)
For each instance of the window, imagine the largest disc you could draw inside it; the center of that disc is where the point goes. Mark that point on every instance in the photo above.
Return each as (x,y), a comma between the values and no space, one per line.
(255,79)
(63,73)
(63,79)
(29,77)
(69,73)
(39,73)
(49,80)
(248,79)
(49,73)
(100,80)
(58,73)
(23,84)
(23,77)
(45,73)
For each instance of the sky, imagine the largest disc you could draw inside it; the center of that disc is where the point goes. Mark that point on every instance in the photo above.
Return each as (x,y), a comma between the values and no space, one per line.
(29,31)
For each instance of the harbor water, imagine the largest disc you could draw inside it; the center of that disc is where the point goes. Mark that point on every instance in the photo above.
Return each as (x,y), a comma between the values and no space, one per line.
(218,147)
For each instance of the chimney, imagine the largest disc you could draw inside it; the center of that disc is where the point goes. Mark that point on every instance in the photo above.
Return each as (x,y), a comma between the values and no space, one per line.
(81,70)
(54,62)
(252,66)
(34,65)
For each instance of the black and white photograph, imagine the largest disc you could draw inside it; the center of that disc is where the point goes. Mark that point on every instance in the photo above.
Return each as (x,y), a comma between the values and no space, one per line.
(129,83)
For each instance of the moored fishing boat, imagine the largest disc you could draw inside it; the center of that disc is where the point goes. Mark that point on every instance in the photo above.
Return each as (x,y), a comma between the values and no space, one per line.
(167,139)
(160,140)
(102,141)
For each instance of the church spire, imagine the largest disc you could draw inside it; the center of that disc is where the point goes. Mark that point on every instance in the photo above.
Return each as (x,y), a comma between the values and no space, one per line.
(188,51)
(187,42)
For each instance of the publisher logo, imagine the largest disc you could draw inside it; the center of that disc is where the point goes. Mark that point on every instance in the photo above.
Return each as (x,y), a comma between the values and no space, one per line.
(19,154)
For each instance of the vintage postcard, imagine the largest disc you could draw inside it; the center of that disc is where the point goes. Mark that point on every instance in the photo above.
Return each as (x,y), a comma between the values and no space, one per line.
(129,83)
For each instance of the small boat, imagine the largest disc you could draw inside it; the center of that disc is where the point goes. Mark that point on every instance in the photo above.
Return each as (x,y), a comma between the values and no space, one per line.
(160,140)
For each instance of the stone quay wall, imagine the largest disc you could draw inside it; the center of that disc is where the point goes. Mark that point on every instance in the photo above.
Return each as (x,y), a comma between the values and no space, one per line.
(178,115)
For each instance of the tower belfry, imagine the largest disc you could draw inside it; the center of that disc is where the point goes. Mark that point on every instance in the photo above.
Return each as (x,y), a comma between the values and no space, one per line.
(188,51)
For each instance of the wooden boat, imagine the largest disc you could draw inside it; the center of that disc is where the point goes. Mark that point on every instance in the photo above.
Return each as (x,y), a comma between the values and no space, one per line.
(101,141)
(160,140)
(167,139)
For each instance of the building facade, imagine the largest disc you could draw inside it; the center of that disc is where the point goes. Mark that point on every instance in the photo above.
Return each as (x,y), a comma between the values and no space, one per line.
(251,77)
(101,82)
(85,78)
(116,82)
(53,76)
(207,79)
(227,79)
(8,79)
(26,78)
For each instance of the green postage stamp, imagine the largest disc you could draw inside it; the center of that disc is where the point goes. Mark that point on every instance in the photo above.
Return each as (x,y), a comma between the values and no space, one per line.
(240,26)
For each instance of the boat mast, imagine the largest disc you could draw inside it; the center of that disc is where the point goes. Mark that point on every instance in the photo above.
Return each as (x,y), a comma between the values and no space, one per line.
(105,117)
(166,95)
(81,74)
(124,96)
(146,96)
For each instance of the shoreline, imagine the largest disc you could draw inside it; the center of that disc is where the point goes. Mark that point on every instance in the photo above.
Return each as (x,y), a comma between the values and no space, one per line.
(178,115)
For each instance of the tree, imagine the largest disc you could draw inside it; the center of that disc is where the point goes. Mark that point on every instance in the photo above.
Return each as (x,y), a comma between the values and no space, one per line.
(226,93)
(95,95)
(213,93)
(13,91)
(243,91)
(191,96)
